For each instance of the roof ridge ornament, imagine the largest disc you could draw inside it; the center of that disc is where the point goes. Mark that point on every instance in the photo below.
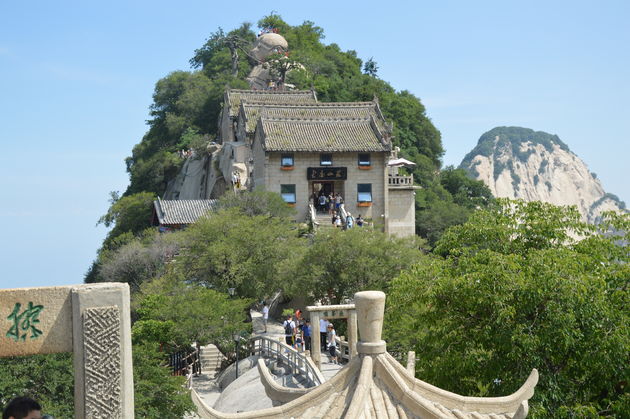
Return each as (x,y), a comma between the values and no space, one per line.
(370,306)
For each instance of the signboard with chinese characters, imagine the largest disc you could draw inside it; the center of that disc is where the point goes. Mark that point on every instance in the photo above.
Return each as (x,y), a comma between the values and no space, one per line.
(35,321)
(327,173)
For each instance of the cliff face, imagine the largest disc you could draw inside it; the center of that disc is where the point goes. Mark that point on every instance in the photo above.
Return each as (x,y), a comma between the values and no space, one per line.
(535,166)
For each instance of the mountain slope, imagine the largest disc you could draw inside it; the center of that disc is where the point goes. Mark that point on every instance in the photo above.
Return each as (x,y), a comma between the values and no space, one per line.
(533,165)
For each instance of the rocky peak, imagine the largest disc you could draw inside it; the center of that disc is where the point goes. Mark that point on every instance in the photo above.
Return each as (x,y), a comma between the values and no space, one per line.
(521,163)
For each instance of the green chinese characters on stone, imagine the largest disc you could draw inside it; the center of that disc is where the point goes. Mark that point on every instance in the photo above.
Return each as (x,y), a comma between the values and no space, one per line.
(24,322)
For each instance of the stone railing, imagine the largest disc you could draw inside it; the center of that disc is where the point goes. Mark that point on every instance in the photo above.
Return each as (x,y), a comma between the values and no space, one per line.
(398,181)
(298,362)
(312,215)
(344,348)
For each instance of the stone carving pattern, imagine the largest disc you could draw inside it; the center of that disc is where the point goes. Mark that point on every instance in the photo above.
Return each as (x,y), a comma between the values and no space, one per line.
(102,348)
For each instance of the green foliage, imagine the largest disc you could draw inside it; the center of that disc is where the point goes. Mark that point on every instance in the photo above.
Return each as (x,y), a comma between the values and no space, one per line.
(233,250)
(511,290)
(340,263)
(174,313)
(370,67)
(447,199)
(157,394)
(48,379)
(129,214)
(258,202)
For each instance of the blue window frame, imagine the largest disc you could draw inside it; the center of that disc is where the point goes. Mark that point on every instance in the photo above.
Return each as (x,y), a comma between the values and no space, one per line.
(364,192)
(365,159)
(325,159)
(286,160)
(288,193)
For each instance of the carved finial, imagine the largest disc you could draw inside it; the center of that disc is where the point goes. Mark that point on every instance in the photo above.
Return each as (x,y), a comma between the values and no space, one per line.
(370,306)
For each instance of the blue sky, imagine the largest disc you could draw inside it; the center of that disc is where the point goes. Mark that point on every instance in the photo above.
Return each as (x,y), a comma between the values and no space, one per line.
(76,80)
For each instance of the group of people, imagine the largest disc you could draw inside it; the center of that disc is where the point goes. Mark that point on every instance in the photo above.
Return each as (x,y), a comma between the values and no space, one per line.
(298,333)
(350,220)
(327,203)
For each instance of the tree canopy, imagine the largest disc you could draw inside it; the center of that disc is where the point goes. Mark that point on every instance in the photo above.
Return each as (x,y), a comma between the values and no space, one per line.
(514,289)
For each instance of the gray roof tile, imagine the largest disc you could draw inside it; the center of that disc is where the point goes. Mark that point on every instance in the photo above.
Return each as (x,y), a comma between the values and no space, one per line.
(319,110)
(185,211)
(333,135)
(235,96)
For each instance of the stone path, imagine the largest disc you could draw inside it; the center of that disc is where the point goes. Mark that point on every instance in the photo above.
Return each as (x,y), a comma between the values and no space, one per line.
(247,392)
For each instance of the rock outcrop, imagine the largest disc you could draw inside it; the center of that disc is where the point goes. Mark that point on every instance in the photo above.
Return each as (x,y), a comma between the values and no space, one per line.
(520,163)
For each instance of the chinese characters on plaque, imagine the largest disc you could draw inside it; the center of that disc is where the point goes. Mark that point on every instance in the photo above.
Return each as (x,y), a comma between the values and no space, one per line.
(23,322)
(327,173)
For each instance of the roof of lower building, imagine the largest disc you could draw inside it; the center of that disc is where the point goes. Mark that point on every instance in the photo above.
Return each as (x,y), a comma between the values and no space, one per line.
(185,211)
(252,111)
(322,135)
(236,96)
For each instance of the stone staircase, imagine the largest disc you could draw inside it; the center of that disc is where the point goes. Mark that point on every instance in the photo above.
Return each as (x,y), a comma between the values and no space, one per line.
(324,221)
(211,359)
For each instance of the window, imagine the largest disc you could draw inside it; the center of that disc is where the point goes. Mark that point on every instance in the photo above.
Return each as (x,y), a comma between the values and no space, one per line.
(325,159)
(288,193)
(364,192)
(365,160)
(286,160)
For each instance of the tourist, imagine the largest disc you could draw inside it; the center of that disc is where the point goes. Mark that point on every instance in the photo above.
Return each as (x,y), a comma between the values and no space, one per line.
(323,331)
(332,343)
(331,203)
(349,221)
(359,221)
(306,335)
(22,408)
(337,221)
(322,203)
(338,201)
(265,314)
(289,330)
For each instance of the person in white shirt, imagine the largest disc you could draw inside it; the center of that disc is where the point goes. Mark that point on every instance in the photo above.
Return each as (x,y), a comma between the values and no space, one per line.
(265,313)
(289,330)
(323,332)
(332,343)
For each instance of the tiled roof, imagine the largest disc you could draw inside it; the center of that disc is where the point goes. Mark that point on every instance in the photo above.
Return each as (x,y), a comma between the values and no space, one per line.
(235,96)
(321,135)
(319,110)
(185,211)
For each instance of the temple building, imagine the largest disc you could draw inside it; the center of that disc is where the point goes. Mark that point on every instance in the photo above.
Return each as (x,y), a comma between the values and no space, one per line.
(288,142)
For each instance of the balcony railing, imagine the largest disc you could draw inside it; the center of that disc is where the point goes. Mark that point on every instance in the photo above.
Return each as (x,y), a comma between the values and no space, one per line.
(400,181)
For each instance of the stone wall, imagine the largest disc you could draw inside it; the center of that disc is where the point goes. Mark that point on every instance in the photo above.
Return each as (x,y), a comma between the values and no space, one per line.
(274,176)
(402,213)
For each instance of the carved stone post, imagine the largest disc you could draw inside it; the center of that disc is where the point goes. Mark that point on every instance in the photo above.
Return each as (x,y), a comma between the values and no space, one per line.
(103,373)
(352,333)
(316,345)
(370,306)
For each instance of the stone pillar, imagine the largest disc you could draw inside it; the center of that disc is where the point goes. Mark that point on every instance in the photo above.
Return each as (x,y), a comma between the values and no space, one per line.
(103,372)
(352,333)
(411,362)
(316,350)
(370,310)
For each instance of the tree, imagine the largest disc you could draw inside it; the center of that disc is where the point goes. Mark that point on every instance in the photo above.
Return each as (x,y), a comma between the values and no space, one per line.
(258,202)
(174,313)
(370,68)
(128,214)
(513,289)
(45,378)
(340,263)
(232,250)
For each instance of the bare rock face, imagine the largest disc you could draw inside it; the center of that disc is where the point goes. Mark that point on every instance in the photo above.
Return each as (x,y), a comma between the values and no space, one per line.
(520,163)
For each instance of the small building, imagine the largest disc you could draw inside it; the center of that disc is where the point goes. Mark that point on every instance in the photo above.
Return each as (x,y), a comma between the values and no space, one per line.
(177,214)
(288,142)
